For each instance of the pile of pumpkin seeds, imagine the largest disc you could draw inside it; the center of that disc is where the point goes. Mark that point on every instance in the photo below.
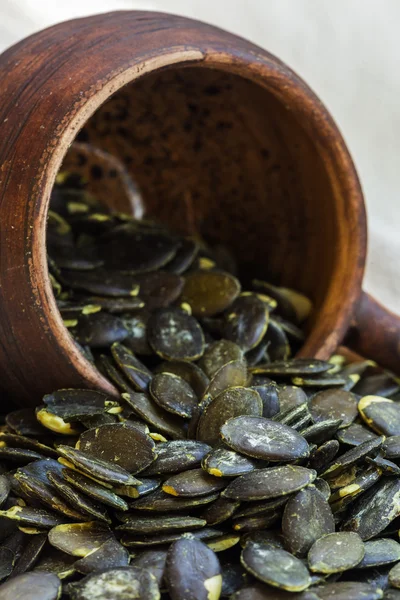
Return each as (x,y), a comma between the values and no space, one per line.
(223,467)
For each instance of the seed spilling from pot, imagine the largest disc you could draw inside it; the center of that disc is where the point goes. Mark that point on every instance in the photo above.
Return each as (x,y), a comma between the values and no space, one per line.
(223,466)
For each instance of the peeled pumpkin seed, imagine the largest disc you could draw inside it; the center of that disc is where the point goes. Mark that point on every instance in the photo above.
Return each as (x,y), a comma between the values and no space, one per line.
(192,571)
(261,438)
(121,443)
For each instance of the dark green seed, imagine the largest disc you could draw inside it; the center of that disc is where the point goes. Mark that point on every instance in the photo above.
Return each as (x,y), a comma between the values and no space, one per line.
(190,372)
(94,467)
(323,487)
(322,381)
(290,396)
(162,502)
(219,354)
(275,567)
(133,369)
(322,431)
(261,508)
(143,525)
(394,576)
(209,292)
(261,438)
(386,466)
(246,321)
(78,500)
(293,367)
(32,517)
(391,447)
(176,456)
(7,559)
(175,335)
(336,552)
(348,493)
(153,414)
(219,511)
(19,455)
(356,434)
(174,394)
(153,561)
(24,422)
(352,457)
(101,282)
(257,522)
(159,289)
(375,509)
(20,441)
(324,455)
(306,518)
(381,414)
(348,590)
(380,552)
(222,462)
(118,584)
(32,586)
(193,571)
(269,398)
(142,542)
(232,374)
(99,330)
(334,404)
(94,490)
(192,483)
(54,561)
(30,554)
(277,340)
(274,482)
(109,555)
(233,402)
(184,256)
(73,404)
(123,444)
(79,539)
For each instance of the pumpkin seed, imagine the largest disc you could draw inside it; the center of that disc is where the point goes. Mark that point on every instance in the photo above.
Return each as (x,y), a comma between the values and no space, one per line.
(135,371)
(348,590)
(160,501)
(290,396)
(355,434)
(275,567)
(293,367)
(109,555)
(176,456)
(93,490)
(174,394)
(219,511)
(381,414)
(334,404)
(230,403)
(336,552)
(35,586)
(209,292)
(218,354)
(153,561)
(307,517)
(192,483)
(232,374)
(122,444)
(95,467)
(117,583)
(175,335)
(352,457)
(73,405)
(222,462)
(78,500)
(380,552)
(79,539)
(153,414)
(190,372)
(324,455)
(261,438)
(30,554)
(192,571)
(274,482)
(159,289)
(246,322)
(391,447)
(148,525)
(99,330)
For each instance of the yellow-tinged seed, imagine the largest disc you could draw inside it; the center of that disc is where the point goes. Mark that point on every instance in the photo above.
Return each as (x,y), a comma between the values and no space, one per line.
(115,410)
(90,309)
(70,323)
(186,307)
(126,490)
(168,489)
(3,444)
(157,437)
(215,472)
(55,423)
(135,290)
(213,586)
(219,545)
(77,207)
(206,263)
(70,465)
(30,530)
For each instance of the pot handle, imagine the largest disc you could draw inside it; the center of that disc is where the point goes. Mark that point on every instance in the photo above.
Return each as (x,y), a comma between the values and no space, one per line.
(375,333)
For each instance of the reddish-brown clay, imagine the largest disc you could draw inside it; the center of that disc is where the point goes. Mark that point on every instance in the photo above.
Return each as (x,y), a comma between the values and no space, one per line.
(222,139)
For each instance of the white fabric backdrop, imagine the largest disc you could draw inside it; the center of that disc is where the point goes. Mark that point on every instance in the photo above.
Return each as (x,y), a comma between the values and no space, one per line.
(347,50)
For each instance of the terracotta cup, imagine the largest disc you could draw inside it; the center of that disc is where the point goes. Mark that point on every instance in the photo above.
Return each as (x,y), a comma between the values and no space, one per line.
(221,137)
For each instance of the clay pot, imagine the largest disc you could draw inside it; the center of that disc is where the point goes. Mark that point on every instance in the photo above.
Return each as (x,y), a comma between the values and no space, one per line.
(221,137)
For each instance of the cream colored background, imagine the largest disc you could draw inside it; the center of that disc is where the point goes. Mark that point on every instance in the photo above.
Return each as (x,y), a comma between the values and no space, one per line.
(347,50)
